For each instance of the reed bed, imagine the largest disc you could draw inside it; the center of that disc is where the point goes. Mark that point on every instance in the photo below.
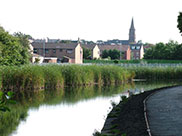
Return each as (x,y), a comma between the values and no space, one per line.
(157,73)
(31,77)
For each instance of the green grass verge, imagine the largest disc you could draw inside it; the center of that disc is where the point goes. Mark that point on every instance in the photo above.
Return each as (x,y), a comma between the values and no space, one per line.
(133,61)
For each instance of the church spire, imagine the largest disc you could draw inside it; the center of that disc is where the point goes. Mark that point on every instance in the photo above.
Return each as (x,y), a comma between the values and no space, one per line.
(132,24)
(132,33)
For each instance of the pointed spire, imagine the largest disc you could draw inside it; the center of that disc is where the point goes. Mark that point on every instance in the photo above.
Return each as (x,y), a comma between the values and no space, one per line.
(132,33)
(132,24)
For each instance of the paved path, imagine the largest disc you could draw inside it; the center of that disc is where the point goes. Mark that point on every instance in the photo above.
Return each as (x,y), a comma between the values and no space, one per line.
(165,112)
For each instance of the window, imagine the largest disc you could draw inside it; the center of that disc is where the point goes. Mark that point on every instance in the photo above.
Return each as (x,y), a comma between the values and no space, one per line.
(138,47)
(34,50)
(137,53)
(54,50)
(60,50)
(69,50)
(46,51)
(132,47)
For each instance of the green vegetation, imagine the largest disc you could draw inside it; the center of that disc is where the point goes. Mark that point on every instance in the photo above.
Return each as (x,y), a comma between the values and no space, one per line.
(86,53)
(31,77)
(5,98)
(169,51)
(147,61)
(12,49)
(157,73)
(113,54)
(180,22)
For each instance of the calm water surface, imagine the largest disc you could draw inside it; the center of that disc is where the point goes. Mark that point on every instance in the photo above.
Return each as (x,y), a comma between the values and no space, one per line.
(68,112)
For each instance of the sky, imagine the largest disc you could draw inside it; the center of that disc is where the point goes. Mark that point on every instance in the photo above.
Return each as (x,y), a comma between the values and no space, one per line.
(154,20)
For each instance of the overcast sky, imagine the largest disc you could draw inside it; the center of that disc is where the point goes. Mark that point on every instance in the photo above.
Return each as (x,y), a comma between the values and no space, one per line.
(154,20)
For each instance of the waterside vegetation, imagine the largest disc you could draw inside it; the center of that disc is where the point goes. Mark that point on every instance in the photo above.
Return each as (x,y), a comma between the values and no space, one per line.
(31,77)
(157,73)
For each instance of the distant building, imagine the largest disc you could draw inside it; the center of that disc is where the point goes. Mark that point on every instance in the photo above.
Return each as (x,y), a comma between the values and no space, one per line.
(94,49)
(59,52)
(137,51)
(131,39)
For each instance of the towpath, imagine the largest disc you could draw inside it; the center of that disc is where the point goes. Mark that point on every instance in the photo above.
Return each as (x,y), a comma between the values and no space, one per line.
(164,111)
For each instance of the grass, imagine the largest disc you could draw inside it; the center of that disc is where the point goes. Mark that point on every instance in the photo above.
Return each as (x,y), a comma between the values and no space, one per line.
(157,73)
(134,61)
(31,77)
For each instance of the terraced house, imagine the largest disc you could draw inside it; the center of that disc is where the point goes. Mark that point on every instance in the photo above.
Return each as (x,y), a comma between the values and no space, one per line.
(95,51)
(59,52)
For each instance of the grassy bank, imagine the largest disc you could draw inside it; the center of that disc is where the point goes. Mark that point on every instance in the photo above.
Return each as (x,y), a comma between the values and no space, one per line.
(157,73)
(32,77)
(134,61)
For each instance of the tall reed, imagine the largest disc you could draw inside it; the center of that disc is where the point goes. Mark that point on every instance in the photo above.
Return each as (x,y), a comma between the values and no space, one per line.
(52,76)
(157,73)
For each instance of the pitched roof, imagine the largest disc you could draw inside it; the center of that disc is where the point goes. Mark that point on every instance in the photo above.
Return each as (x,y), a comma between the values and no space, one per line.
(88,46)
(125,42)
(55,45)
(112,47)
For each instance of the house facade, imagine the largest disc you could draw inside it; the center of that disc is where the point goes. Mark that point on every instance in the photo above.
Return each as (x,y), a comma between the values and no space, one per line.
(137,51)
(94,49)
(59,52)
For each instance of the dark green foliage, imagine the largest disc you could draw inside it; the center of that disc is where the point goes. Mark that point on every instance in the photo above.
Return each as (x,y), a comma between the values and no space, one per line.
(23,40)
(180,22)
(116,61)
(96,133)
(12,51)
(114,54)
(157,73)
(87,53)
(169,51)
(6,98)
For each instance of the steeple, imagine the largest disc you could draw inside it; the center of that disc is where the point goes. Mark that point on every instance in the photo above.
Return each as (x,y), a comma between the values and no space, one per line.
(132,33)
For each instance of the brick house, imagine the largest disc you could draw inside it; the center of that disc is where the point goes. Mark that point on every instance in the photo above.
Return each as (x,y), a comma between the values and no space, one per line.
(94,49)
(124,49)
(137,51)
(59,52)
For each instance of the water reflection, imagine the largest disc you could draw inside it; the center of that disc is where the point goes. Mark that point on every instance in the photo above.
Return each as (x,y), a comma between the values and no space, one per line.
(66,112)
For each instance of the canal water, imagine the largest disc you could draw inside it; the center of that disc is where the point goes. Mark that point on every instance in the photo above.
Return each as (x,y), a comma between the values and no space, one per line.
(69,112)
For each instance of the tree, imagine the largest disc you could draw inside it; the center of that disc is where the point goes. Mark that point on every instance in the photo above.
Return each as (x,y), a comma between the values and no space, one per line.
(105,54)
(86,53)
(168,51)
(114,54)
(11,50)
(23,40)
(180,22)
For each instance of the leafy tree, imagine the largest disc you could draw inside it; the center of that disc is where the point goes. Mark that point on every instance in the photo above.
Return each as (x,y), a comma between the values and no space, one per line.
(180,22)
(86,53)
(114,54)
(12,51)
(23,40)
(105,54)
(169,51)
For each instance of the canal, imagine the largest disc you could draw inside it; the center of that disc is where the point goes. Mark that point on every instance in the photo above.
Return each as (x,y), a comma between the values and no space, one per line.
(66,112)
